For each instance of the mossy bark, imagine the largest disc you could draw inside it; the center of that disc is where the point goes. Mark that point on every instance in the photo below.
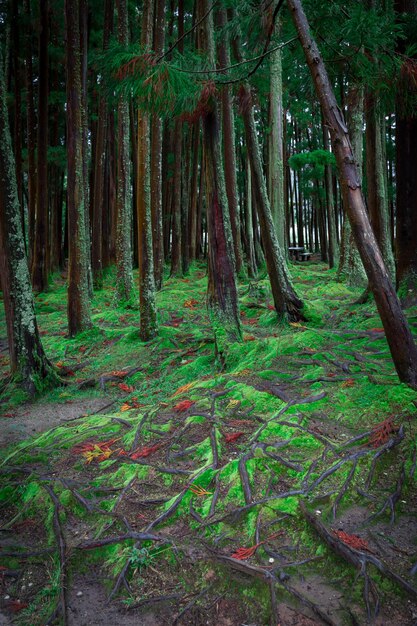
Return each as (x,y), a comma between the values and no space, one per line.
(222,298)
(350,265)
(148,327)
(124,277)
(229,149)
(287,304)
(28,361)
(78,297)
(276,149)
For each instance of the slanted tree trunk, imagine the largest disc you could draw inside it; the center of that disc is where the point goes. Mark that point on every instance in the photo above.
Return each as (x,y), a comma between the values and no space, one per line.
(145,249)
(287,304)
(399,338)
(222,298)
(40,263)
(124,278)
(78,296)
(28,362)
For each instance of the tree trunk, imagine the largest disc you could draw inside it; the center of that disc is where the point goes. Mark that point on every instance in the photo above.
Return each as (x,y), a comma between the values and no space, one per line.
(276,149)
(222,298)
(156,158)
(99,167)
(377,194)
(399,338)
(228,120)
(176,266)
(286,302)
(145,250)
(78,296)
(406,167)
(40,265)
(350,264)
(31,134)
(27,359)
(333,252)
(124,278)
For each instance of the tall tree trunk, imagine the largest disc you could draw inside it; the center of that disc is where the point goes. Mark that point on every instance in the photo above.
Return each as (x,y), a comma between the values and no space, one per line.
(78,296)
(406,165)
(40,265)
(124,278)
(350,264)
(176,265)
(333,251)
(17,114)
(145,249)
(195,151)
(99,166)
(228,119)
(222,298)
(156,157)
(399,338)
(276,149)
(27,358)
(31,134)
(377,194)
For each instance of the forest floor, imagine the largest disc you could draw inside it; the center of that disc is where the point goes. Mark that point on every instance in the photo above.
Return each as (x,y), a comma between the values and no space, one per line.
(156,489)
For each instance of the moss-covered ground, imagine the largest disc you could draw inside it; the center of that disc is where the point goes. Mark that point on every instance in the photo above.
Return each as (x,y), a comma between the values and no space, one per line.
(302,450)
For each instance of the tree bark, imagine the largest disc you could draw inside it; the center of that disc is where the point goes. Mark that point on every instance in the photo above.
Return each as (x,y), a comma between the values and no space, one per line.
(78,296)
(399,338)
(40,264)
(222,298)
(229,149)
(31,134)
(124,277)
(28,362)
(147,303)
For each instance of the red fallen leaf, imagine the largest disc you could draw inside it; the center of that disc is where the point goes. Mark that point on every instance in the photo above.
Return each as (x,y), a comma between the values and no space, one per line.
(348,383)
(82,349)
(8,415)
(249,338)
(43,332)
(118,373)
(15,606)
(376,330)
(270,307)
(191,303)
(242,554)
(233,437)
(183,406)
(124,387)
(91,445)
(382,432)
(353,541)
(252,321)
(186,362)
(331,375)
(144,452)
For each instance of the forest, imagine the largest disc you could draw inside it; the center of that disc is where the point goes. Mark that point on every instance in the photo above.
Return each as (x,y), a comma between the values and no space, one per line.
(208,317)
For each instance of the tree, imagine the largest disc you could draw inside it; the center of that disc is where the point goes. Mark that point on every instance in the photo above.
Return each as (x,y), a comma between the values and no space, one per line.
(222,297)
(143,197)
(399,338)
(78,297)
(40,261)
(406,158)
(28,362)
(124,279)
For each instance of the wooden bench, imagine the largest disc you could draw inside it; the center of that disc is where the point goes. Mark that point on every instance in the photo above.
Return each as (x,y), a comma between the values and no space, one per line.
(304,256)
